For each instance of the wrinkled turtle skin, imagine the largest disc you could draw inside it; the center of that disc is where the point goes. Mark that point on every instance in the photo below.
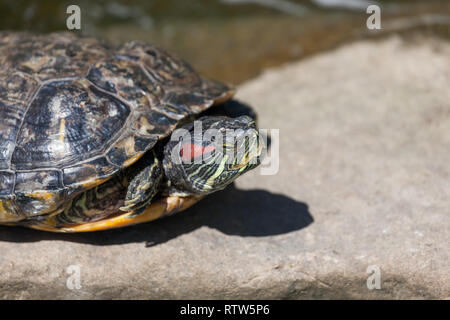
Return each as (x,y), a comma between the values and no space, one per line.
(75,112)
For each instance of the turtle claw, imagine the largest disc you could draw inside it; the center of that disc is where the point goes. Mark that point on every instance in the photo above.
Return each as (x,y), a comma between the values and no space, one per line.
(130,203)
(126,208)
(143,186)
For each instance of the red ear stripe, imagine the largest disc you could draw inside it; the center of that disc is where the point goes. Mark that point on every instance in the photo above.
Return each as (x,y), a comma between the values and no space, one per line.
(189,151)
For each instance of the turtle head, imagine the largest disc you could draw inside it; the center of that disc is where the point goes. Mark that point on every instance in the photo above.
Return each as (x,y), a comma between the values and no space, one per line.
(210,153)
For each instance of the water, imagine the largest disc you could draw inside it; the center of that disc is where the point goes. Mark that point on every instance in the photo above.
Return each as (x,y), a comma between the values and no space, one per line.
(233,40)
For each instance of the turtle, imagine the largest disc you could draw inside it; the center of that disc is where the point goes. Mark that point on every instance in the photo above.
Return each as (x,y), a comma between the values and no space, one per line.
(95,136)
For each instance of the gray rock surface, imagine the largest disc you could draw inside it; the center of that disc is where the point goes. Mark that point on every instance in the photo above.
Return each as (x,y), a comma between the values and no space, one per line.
(364,180)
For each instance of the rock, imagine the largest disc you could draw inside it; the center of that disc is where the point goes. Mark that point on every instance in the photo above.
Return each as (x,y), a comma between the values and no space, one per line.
(363,186)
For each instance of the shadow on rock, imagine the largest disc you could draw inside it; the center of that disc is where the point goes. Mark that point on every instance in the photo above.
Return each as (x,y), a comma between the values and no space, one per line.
(255,213)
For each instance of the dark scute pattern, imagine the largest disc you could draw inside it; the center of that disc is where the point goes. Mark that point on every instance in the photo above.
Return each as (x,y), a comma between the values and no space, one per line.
(129,146)
(80,173)
(127,80)
(117,156)
(51,56)
(16,86)
(39,192)
(67,122)
(163,68)
(95,75)
(6,183)
(33,206)
(152,123)
(38,181)
(187,102)
(15,89)
(144,143)
(185,92)
(10,118)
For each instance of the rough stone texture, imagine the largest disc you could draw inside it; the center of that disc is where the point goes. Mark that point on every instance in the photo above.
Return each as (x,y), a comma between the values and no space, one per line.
(364,180)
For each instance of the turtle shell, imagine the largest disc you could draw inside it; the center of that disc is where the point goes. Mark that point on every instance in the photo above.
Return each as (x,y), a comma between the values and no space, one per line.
(73,112)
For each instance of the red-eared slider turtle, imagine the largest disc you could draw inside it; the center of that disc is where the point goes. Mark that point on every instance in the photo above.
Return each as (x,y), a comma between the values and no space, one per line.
(87,134)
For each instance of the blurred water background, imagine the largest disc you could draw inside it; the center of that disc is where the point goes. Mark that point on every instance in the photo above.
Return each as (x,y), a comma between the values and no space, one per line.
(234,40)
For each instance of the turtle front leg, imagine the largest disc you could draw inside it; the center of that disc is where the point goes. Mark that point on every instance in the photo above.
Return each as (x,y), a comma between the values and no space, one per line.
(144,185)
